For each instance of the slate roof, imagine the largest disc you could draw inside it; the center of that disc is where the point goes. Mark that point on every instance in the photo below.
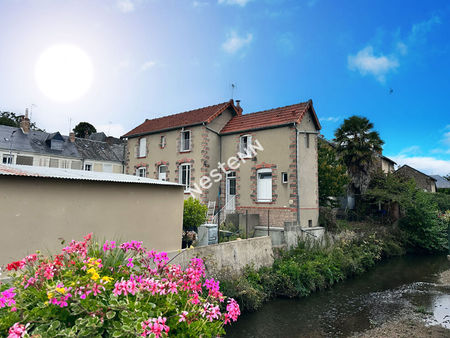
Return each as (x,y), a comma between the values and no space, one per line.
(60,173)
(185,119)
(441,183)
(37,142)
(405,166)
(270,118)
(34,142)
(100,151)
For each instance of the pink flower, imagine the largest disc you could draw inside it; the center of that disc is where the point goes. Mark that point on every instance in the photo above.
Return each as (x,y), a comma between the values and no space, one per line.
(183,316)
(17,330)
(155,326)
(233,311)
(109,245)
(7,298)
(130,262)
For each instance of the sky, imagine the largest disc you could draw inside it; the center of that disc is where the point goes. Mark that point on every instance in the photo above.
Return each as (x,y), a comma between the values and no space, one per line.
(386,60)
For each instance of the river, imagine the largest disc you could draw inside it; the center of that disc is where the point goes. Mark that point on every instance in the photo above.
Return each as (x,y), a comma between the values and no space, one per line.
(357,304)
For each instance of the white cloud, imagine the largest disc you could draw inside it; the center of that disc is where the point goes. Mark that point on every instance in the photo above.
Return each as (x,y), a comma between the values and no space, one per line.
(419,30)
(126,6)
(111,129)
(198,4)
(446,138)
(234,42)
(410,150)
(428,165)
(330,119)
(147,65)
(241,3)
(366,62)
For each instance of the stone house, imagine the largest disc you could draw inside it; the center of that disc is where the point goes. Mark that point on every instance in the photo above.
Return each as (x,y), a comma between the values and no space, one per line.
(423,181)
(25,146)
(264,162)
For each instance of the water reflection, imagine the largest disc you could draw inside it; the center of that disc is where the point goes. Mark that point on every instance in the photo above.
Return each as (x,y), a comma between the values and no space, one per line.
(354,305)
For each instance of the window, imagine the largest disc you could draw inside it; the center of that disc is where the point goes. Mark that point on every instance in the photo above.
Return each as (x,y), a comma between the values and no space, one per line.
(107,168)
(284,177)
(56,144)
(7,159)
(65,164)
(245,141)
(310,223)
(143,147)
(44,162)
(185,140)
(162,143)
(185,176)
(54,163)
(307,140)
(162,172)
(264,187)
(88,166)
(141,171)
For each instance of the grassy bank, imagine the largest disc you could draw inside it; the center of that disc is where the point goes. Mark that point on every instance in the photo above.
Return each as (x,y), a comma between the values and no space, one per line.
(308,268)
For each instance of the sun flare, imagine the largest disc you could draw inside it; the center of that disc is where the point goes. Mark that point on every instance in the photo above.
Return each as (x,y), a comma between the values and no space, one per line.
(64,73)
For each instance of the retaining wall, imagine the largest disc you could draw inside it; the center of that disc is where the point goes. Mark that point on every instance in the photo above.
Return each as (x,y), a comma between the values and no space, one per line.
(230,256)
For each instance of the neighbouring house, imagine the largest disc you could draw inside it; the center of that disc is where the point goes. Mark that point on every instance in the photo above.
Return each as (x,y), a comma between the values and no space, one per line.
(385,164)
(264,162)
(25,146)
(39,205)
(442,185)
(423,181)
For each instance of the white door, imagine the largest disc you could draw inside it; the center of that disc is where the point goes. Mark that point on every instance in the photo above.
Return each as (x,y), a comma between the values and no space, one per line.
(230,191)
(264,187)
(162,173)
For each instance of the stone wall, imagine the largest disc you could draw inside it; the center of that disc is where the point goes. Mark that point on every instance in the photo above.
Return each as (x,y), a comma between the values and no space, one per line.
(232,256)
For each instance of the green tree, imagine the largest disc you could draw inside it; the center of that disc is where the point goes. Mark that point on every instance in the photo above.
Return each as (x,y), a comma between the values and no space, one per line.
(83,128)
(333,177)
(13,120)
(194,214)
(447,177)
(357,143)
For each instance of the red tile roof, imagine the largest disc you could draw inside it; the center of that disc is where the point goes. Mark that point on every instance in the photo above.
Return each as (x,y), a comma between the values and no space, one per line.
(270,118)
(188,118)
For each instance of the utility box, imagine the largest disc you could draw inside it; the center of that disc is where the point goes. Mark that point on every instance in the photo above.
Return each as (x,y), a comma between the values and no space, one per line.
(207,234)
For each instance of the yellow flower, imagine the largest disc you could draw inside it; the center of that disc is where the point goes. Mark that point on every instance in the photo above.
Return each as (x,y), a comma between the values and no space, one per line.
(50,295)
(93,273)
(61,290)
(107,279)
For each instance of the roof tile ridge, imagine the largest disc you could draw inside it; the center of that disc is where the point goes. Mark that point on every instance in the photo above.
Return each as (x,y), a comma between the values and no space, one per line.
(269,110)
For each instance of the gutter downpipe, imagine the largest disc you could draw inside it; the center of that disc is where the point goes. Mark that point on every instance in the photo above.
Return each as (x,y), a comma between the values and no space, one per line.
(220,161)
(298,132)
(297,174)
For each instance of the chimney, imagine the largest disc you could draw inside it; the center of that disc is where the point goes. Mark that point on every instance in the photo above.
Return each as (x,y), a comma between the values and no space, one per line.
(25,123)
(238,106)
(72,137)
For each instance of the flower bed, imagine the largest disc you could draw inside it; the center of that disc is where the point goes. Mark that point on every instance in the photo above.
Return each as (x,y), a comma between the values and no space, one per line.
(93,290)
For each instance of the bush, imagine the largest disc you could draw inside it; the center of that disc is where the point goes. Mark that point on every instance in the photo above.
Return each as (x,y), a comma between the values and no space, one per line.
(327,219)
(422,227)
(442,200)
(91,290)
(194,214)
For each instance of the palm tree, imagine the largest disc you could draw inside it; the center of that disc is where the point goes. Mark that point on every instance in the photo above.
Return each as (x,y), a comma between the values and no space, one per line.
(357,143)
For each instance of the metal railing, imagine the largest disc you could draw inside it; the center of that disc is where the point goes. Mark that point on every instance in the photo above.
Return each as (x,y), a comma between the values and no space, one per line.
(224,211)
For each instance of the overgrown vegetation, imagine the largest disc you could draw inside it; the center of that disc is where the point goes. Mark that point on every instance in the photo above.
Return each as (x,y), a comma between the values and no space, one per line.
(304,270)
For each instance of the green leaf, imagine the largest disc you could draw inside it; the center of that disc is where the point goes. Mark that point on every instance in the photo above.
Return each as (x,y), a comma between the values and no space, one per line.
(110,314)
(55,324)
(117,334)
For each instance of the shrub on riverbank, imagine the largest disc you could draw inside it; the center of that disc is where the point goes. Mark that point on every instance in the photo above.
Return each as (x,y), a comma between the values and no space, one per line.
(109,290)
(303,270)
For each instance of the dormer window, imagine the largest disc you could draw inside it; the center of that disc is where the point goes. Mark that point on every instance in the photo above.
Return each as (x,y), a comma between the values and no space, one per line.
(244,145)
(56,144)
(185,140)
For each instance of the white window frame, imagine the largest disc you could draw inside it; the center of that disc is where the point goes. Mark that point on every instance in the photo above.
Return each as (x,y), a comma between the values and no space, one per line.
(141,171)
(284,177)
(142,147)
(160,173)
(9,159)
(244,147)
(264,196)
(86,164)
(187,183)
(182,141)
(163,141)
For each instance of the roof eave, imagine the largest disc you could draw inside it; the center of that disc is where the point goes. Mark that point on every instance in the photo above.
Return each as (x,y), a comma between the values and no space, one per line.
(258,128)
(161,130)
